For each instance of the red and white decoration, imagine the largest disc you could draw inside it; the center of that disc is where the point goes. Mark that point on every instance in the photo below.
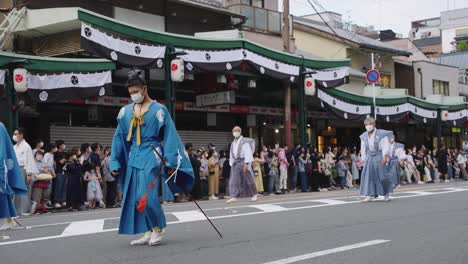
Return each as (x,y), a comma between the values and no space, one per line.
(309,86)
(20,80)
(177,70)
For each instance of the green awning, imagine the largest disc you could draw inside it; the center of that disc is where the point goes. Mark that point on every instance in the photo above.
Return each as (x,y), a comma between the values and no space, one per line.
(365,100)
(183,41)
(38,63)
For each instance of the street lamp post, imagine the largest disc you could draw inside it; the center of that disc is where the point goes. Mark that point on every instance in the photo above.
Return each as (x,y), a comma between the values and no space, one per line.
(302,118)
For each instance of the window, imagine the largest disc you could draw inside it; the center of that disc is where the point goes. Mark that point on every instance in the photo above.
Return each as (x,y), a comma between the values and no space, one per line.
(256,3)
(440,87)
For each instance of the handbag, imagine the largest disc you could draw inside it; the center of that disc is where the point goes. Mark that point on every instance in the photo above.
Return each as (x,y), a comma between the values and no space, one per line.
(359,164)
(44,177)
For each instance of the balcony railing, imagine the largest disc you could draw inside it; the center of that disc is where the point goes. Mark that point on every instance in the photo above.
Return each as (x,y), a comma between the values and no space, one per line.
(260,19)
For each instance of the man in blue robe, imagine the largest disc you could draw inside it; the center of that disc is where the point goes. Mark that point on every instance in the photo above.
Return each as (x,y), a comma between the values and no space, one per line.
(375,150)
(143,125)
(11,180)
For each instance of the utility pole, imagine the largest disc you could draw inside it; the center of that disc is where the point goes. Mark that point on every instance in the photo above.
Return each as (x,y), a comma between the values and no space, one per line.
(373,86)
(287,85)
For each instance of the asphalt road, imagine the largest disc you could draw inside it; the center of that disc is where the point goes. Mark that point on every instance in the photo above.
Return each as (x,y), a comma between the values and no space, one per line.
(422,224)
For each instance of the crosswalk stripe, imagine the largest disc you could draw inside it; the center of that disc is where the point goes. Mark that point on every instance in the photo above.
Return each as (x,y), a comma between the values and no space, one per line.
(269,208)
(83,227)
(188,216)
(330,201)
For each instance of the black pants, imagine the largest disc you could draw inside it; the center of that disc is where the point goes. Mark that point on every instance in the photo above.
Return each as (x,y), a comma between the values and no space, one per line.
(314,180)
(111,193)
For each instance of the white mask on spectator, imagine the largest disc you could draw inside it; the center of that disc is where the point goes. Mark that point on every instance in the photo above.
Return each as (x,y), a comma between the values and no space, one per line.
(137,98)
(41,144)
(236,134)
(370,128)
(15,138)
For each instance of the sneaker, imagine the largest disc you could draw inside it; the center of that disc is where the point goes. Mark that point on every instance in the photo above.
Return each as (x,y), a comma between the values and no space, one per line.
(57,205)
(156,237)
(64,204)
(367,199)
(212,197)
(420,182)
(227,197)
(387,198)
(48,205)
(232,200)
(102,204)
(142,241)
(254,198)
(33,207)
(447,181)
(9,224)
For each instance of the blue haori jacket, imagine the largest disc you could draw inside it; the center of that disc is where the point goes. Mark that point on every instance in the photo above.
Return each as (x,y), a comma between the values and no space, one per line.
(11,178)
(131,146)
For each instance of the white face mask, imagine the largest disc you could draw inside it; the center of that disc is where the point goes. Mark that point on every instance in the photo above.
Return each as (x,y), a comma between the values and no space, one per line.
(392,140)
(15,138)
(370,128)
(41,144)
(137,98)
(64,147)
(236,134)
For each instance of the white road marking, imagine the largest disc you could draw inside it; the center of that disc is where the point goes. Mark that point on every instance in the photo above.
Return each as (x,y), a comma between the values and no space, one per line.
(268,208)
(84,227)
(328,252)
(330,201)
(421,193)
(191,216)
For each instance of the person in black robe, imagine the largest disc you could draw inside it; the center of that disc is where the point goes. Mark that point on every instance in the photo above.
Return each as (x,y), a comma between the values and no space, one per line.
(196,193)
(73,170)
(226,173)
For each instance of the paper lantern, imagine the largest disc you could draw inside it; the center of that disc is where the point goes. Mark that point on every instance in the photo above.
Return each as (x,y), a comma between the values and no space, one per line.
(20,80)
(177,70)
(444,115)
(309,86)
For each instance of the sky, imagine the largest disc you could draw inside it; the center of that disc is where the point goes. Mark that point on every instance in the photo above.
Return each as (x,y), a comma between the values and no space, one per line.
(383,14)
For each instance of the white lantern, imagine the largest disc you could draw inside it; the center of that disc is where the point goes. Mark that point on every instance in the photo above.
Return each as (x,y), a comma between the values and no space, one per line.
(444,115)
(309,86)
(177,70)
(20,80)
(252,84)
(221,78)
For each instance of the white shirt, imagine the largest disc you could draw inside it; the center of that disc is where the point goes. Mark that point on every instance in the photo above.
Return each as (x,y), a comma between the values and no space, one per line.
(461,159)
(24,155)
(384,145)
(246,152)
(48,160)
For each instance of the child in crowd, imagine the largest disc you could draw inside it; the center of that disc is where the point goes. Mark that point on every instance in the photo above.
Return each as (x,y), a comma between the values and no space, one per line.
(274,174)
(93,177)
(40,188)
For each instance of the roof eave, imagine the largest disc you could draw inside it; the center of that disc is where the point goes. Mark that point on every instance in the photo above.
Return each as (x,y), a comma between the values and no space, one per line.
(394,52)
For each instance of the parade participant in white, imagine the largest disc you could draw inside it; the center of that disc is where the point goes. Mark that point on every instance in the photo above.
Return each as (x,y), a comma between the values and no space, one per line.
(375,148)
(241,181)
(24,155)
